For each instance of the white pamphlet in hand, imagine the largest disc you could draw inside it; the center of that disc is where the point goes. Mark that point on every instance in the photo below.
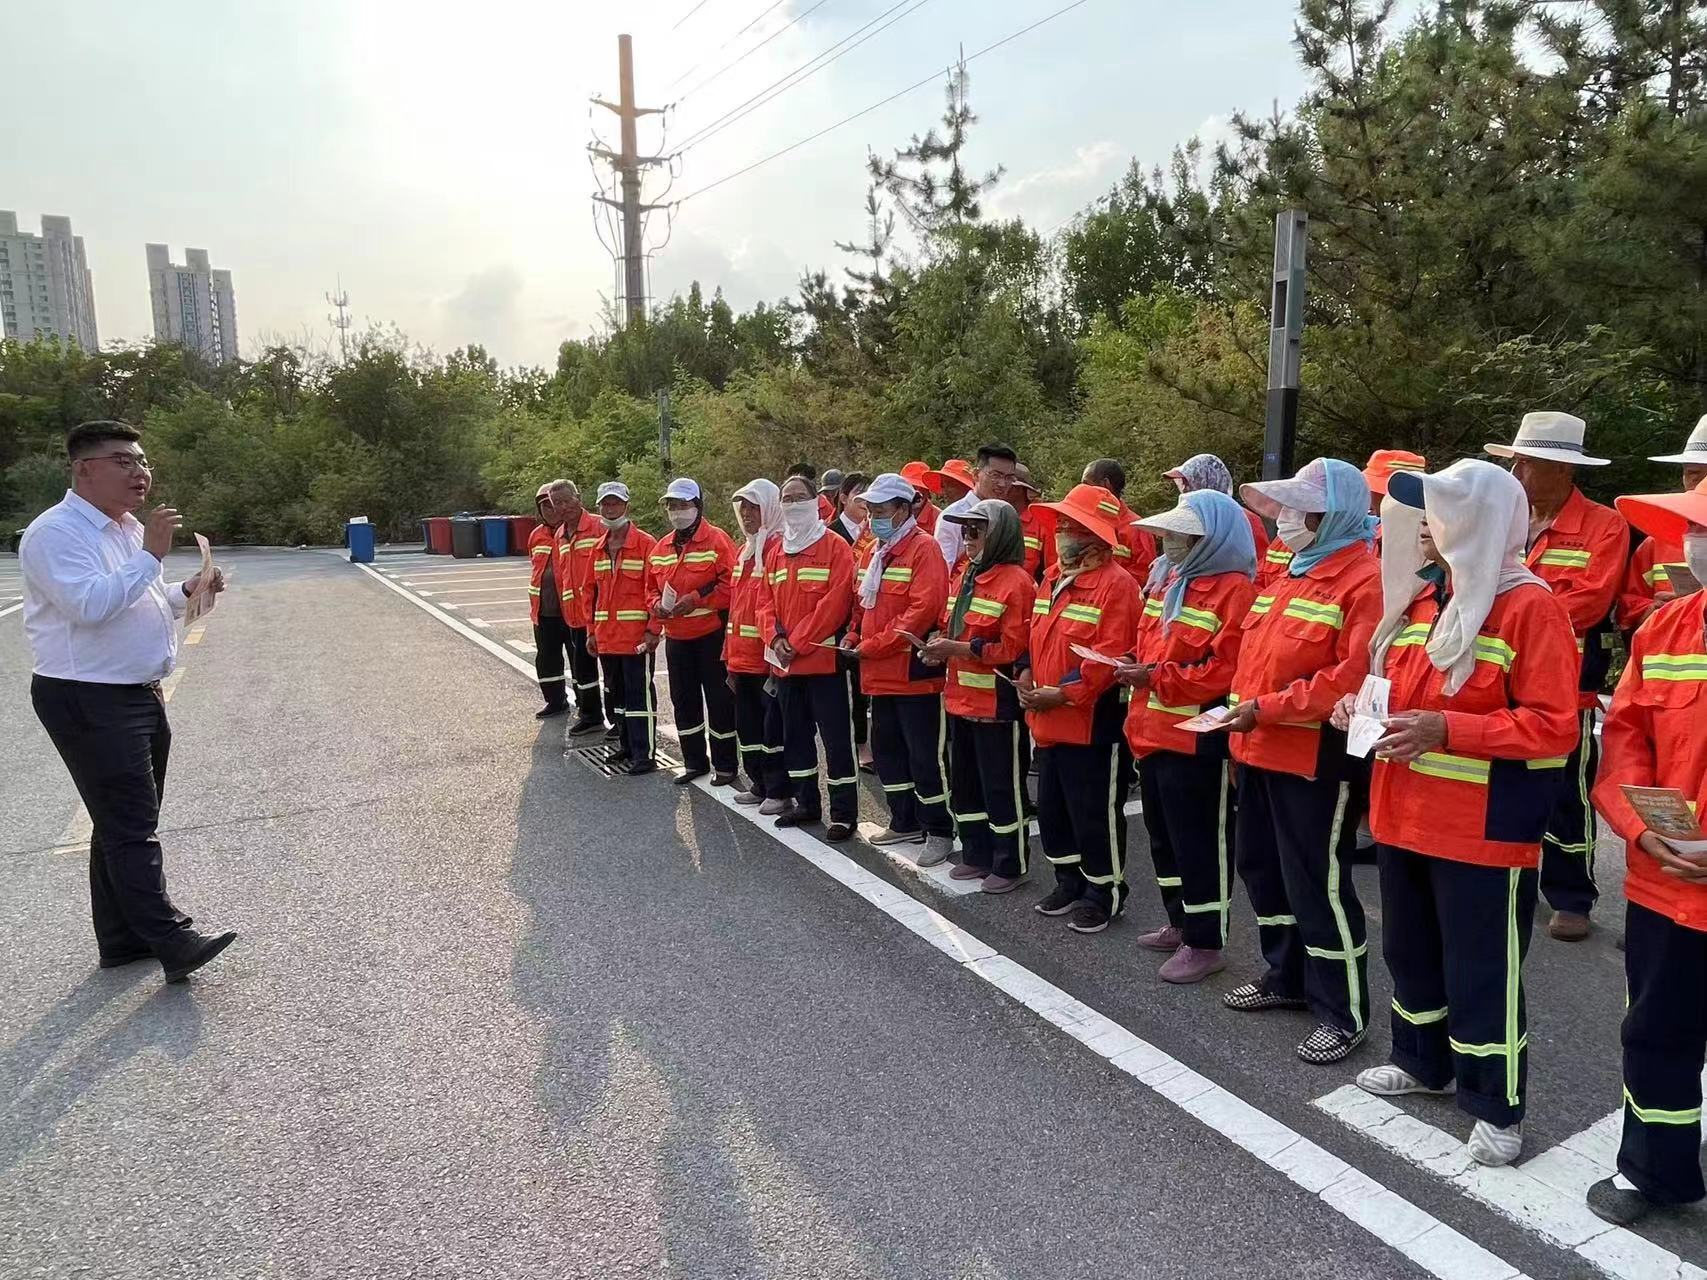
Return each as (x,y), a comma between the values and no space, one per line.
(667,598)
(1091,655)
(1368,716)
(1206,722)
(203,600)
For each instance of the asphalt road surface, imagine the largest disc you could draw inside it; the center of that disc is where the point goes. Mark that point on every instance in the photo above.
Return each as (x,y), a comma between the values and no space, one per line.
(494,1014)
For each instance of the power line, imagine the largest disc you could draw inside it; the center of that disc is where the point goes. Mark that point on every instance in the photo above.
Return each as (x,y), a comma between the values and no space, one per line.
(690,13)
(804,72)
(750,52)
(901,93)
(763,13)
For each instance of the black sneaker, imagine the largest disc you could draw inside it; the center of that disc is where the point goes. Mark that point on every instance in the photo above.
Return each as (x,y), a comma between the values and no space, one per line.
(1328,1043)
(547,712)
(586,724)
(1088,917)
(1612,1203)
(797,817)
(837,832)
(1060,901)
(1251,998)
(687,776)
(725,779)
(612,733)
(640,768)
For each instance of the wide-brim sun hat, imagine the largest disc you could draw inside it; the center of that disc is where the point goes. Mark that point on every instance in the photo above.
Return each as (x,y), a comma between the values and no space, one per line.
(1083,504)
(1694,450)
(1307,492)
(1666,516)
(957,470)
(920,476)
(1552,437)
(1022,480)
(1183,519)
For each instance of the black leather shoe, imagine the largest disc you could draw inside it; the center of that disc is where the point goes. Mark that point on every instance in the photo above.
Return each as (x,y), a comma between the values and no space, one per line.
(687,776)
(640,767)
(724,779)
(546,713)
(612,734)
(586,724)
(1611,1203)
(118,959)
(797,817)
(192,950)
(837,832)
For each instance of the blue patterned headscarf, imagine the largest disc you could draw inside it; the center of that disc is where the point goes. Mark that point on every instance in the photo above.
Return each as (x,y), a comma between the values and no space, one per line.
(1346,520)
(1225,547)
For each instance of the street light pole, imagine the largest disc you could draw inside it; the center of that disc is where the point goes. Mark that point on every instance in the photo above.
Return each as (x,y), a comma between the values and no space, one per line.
(1285,343)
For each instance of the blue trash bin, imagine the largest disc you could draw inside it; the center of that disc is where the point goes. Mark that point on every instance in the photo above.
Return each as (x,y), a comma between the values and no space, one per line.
(495,535)
(360,540)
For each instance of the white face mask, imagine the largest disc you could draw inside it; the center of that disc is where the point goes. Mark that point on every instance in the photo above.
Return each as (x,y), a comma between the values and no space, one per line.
(799,517)
(613,524)
(683,519)
(1695,552)
(1177,546)
(1291,529)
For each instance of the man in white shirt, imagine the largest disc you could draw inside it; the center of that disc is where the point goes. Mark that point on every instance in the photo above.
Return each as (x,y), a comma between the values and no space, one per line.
(103,627)
(989,477)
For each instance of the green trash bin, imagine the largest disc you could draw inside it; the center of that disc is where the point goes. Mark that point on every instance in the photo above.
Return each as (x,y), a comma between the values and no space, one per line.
(464,537)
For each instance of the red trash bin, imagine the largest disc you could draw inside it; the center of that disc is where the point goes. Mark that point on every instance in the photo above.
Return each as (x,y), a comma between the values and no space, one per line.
(438,535)
(521,529)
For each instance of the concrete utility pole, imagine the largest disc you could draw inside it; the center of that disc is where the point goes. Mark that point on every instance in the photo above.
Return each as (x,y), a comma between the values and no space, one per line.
(1285,343)
(627,166)
(664,426)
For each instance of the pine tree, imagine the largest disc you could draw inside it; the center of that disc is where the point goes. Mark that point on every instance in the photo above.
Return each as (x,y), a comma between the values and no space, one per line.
(929,200)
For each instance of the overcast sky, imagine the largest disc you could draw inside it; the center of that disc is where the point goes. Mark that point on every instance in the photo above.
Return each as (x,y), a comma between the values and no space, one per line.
(433,154)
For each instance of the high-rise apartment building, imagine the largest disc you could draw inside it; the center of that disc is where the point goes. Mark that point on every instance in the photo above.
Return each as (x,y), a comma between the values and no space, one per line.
(46,290)
(193,303)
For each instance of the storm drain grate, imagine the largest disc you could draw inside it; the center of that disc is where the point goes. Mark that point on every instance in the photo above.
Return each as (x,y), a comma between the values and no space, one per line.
(597,757)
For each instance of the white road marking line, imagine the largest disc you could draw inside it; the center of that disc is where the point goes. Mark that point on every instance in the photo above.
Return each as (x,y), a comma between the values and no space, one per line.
(475,591)
(1389,1217)
(519,647)
(11,608)
(905,856)
(1543,1195)
(1431,1244)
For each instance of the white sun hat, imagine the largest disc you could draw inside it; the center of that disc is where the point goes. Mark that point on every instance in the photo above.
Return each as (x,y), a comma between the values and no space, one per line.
(1307,491)
(682,490)
(1182,519)
(1694,450)
(1554,437)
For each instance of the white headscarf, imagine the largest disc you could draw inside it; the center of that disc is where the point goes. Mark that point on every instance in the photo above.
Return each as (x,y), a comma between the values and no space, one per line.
(764,495)
(1478,517)
(794,541)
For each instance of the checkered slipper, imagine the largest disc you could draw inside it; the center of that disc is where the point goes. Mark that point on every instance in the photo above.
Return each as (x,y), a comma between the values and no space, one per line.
(1328,1044)
(1251,998)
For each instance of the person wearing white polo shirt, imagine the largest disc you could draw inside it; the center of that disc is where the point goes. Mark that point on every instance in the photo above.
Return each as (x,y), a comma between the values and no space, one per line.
(1648,582)
(102,624)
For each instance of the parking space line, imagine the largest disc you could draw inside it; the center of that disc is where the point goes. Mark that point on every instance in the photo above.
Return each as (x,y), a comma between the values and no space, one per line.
(11,608)
(1438,1248)
(1544,1195)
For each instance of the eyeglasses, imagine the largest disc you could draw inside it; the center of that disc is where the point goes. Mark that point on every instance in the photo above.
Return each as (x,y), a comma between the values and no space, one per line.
(129,461)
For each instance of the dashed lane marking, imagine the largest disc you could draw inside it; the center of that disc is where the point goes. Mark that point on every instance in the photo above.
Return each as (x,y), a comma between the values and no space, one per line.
(1438,1248)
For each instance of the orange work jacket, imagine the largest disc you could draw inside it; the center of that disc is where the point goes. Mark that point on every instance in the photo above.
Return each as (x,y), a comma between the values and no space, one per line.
(577,548)
(1581,555)
(1193,660)
(1099,610)
(542,553)
(1306,645)
(700,568)
(998,627)
(621,615)
(1656,736)
(1039,543)
(909,598)
(806,600)
(1646,585)
(743,642)
(1485,795)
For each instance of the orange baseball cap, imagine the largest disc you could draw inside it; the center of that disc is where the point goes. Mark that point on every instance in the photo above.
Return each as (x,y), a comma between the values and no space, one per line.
(957,470)
(1666,516)
(920,476)
(1085,504)
(1384,462)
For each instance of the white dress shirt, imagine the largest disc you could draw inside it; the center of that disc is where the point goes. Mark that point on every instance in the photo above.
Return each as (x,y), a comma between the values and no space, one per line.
(96,605)
(949,535)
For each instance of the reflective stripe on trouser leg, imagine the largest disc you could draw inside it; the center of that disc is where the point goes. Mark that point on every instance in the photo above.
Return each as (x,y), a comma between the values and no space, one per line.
(682,658)
(924,733)
(968,805)
(611,674)
(1151,780)
(1190,794)
(1315,831)
(549,636)
(799,741)
(889,753)
(1665,1039)
(585,669)
(1256,849)
(719,701)
(1412,944)
(835,728)
(1567,850)
(1017,760)
(1088,781)
(1486,916)
(1055,817)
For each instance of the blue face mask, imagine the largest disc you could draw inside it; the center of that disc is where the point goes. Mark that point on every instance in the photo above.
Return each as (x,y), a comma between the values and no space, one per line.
(882,528)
